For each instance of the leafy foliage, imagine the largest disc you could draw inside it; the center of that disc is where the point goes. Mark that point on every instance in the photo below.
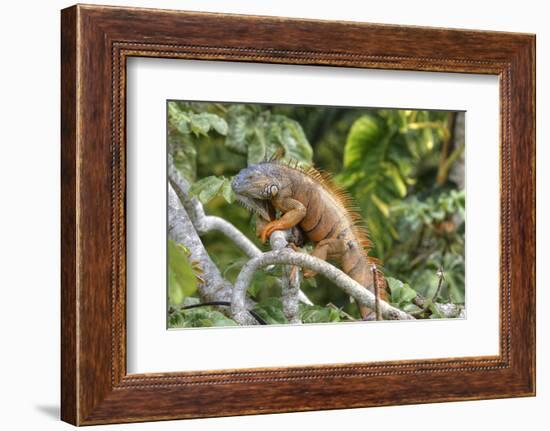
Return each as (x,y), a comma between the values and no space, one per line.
(402,295)
(250,131)
(396,164)
(319,314)
(433,238)
(271,310)
(181,279)
(258,134)
(201,317)
(385,152)
(185,129)
(207,188)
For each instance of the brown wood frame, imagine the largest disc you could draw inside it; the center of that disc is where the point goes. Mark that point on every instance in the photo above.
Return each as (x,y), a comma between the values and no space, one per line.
(95,43)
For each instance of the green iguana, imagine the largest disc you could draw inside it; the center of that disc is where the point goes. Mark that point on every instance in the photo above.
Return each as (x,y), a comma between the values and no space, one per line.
(310,200)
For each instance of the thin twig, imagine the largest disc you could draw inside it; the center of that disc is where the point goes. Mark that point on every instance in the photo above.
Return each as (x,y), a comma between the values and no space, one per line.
(377,311)
(441,276)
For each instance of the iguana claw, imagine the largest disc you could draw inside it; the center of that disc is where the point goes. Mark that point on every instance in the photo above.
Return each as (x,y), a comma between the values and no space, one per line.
(268,230)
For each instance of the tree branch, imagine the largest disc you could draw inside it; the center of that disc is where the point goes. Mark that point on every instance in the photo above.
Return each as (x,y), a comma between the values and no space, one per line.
(200,220)
(212,286)
(182,189)
(289,257)
(290,282)
(213,223)
(215,288)
(204,224)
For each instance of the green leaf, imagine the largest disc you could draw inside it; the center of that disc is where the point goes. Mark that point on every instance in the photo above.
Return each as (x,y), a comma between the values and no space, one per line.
(382,206)
(240,121)
(227,191)
(175,320)
(271,310)
(219,319)
(259,134)
(395,177)
(365,134)
(185,157)
(427,139)
(201,317)
(438,215)
(181,279)
(407,293)
(311,282)
(263,283)
(200,124)
(257,150)
(318,314)
(401,293)
(411,308)
(183,125)
(435,312)
(294,141)
(206,188)
(396,286)
(219,125)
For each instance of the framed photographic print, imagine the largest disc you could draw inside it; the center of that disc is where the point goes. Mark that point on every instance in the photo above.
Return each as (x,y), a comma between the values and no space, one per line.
(261,205)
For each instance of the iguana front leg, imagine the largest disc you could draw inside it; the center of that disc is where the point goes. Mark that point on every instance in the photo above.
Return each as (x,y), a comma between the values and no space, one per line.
(293,213)
(261,223)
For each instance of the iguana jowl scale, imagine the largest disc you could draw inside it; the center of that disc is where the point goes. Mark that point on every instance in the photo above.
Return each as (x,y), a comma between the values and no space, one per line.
(308,199)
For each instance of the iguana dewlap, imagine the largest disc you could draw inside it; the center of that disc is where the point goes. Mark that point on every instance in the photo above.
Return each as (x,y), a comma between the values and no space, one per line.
(310,200)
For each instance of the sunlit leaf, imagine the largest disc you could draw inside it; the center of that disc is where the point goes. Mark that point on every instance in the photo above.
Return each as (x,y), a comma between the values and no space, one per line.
(257,149)
(237,134)
(227,191)
(201,317)
(365,135)
(200,124)
(219,124)
(383,207)
(206,188)
(181,279)
(294,141)
(318,314)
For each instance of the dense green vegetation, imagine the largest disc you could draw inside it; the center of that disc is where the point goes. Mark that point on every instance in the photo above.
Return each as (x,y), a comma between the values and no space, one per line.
(402,167)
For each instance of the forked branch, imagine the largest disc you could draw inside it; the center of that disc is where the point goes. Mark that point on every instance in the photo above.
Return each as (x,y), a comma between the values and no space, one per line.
(287,256)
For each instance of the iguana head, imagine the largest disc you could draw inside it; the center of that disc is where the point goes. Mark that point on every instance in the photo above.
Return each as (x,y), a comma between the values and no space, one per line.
(255,186)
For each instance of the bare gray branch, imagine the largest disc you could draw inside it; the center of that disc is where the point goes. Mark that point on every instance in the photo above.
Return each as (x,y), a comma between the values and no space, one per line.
(290,282)
(213,223)
(289,257)
(213,286)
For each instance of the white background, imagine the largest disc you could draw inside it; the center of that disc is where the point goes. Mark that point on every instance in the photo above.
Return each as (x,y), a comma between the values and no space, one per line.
(29,224)
(151,348)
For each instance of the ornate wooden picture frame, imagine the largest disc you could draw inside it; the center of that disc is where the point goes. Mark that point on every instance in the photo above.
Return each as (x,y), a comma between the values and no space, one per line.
(96,41)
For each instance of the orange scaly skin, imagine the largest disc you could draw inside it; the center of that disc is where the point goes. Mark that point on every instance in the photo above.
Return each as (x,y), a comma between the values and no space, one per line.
(310,200)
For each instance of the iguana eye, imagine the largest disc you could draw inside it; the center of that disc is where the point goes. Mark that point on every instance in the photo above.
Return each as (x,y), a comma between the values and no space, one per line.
(273,190)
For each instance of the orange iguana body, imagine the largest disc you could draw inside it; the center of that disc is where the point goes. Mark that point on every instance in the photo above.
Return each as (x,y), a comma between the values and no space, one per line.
(310,200)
